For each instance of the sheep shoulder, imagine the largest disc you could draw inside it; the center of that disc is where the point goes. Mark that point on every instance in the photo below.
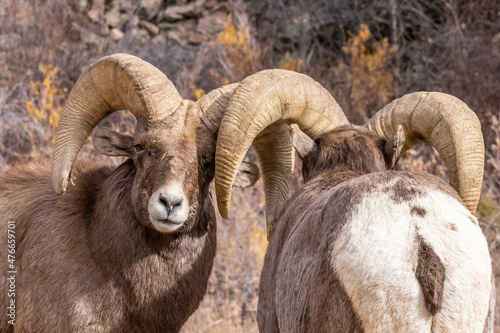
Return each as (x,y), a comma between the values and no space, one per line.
(28,199)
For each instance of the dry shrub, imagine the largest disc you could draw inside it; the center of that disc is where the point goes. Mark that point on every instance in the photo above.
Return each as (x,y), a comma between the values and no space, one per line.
(489,205)
(228,56)
(371,77)
(291,63)
(422,158)
(45,105)
(492,181)
(237,50)
(32,54)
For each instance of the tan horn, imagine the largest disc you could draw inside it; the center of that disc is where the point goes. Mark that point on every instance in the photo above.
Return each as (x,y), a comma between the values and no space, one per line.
(258,110)
(447,124)
(116,82)
(212,105)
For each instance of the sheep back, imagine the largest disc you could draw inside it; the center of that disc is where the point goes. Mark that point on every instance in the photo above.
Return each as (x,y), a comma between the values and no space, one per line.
(384,252)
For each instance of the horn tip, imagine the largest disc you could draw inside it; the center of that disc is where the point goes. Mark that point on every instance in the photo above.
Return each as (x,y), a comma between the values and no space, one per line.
(60,184)
(224,213)
(60,189)
(223,206)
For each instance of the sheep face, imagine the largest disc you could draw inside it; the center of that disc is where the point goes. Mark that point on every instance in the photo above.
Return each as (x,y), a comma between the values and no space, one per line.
(174,165)
(165,187)
(349,146)
(166,182)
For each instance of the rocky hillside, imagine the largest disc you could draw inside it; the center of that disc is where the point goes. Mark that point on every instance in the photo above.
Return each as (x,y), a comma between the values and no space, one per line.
(150,21)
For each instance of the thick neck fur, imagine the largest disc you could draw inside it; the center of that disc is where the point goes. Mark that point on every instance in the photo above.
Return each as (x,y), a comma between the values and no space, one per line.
(115,193)
(101,269)
(163,273)
(333,177)
(315,186)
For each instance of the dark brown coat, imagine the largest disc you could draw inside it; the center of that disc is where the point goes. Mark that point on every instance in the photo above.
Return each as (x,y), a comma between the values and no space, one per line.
(114,274)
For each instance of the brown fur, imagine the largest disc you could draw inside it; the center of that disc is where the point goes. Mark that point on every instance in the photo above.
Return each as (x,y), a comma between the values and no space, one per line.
(88,261)
(300,258)
(357,150)
(431,276)
(416,210)
(117,276)
(401,192)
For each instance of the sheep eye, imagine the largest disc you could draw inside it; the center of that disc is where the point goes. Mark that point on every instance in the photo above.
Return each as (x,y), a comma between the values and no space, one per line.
(138,148)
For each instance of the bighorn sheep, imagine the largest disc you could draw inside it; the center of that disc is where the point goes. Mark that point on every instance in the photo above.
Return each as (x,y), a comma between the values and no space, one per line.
(126,249)
(359,248)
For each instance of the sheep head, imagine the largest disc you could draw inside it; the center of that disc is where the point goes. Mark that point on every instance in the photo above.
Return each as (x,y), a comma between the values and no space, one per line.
(352,147)
(173,146)
(264,103)
(166,158)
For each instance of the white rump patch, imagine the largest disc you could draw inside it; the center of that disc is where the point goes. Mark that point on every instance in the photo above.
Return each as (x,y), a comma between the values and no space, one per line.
(376,255)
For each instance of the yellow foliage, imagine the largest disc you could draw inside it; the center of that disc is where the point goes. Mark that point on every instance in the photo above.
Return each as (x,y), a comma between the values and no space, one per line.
(33,112)
(219,78)
(234,38)
(291,63)
(54,119)
(372,78)
(46,104)
(198,92)
(237,51)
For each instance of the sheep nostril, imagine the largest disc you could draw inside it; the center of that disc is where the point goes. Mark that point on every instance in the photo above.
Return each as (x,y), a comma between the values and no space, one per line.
(170,205)
(176,203)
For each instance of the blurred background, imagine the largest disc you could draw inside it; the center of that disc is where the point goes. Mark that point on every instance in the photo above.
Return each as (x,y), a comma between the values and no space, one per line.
(365,52)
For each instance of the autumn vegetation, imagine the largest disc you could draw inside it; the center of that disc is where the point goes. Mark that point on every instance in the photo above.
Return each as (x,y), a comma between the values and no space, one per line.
(365,52)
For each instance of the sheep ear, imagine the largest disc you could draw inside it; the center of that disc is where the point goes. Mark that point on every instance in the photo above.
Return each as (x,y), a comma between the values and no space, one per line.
(305,146)
(393,148)
(111,143)
(247,175)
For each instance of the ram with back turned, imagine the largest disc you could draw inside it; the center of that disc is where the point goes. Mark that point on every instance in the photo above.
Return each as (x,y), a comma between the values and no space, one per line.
(360,248)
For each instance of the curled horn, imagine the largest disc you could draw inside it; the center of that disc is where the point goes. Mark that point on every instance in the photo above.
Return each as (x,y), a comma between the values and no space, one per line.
(212,105)
(257,113)
(116,82)
(446,123)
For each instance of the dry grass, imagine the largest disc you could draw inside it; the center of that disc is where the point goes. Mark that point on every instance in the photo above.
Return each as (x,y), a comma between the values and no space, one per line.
(360,54)
(231,301)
